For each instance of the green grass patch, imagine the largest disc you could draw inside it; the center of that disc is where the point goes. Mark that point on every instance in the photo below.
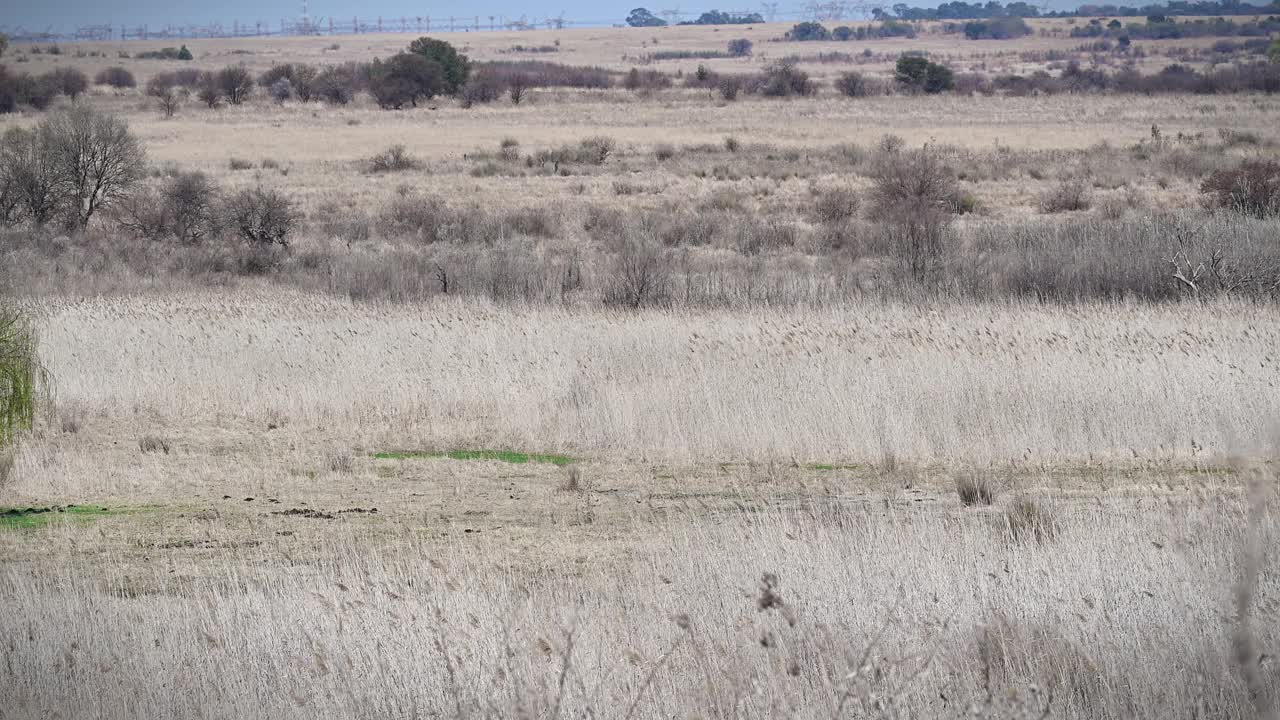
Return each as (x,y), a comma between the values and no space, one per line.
(507,456)
(833,467)
(28,518)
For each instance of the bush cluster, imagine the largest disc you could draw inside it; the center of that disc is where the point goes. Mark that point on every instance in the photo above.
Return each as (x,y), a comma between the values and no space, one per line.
(116,77)
(188,208)
(1251,188)
(918,74)
(70,165)
(39,92)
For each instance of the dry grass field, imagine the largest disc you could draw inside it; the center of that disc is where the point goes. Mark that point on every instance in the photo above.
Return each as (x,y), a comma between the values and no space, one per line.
(440,457)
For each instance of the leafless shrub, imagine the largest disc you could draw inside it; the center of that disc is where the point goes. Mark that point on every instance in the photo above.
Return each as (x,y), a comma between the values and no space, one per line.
(337,84)
(754,235)
(595,150)
(393,159)
(207,90)
(784,79)
(1251,188)
(1138,255)
(69,81)
(116,77)
(640,274)
(30,178)
(183,209)
(281,90)
(410,215)
(911,195)
(517,87)
(729,86)
(664,151)
(856,85)
(1113,207)
(185,78)
(149,444)
(234,83)
(836,205)
(1066,196)
(890,144)
(261,216)
(530,221)
(166,94)
(1189,162)
(236,163)
(646,80)
(484,86)
(509,149)
(1031,519)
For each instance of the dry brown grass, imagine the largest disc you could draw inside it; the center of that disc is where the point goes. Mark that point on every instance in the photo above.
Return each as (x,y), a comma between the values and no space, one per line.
(962,381)
(763,512)
(868,602)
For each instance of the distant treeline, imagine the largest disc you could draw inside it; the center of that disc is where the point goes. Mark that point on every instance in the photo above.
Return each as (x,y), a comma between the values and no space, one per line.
(975,11)
(1163,28)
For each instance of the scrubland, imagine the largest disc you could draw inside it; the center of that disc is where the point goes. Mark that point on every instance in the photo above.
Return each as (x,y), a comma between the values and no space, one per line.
(624,404)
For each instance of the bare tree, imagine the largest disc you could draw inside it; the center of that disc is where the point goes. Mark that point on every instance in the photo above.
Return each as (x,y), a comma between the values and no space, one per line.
(29,174)
(910,197)
(261,217)
(185,209)
(235,83)
(167,96)
(640,274)
(517,86)
(207,89)
(95,156)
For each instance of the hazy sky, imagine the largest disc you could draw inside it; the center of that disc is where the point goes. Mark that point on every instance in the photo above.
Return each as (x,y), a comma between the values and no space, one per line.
(65,15)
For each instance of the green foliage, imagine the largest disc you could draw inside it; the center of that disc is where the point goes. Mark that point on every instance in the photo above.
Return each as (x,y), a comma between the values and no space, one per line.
(641,17)
(717,17)
(808,31)
(184,53)
(921,75)
(454,65)
(507,456)
(4,44)
(1005,28)
(1274,52)
(30,518)
(22,378)
(404,79)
